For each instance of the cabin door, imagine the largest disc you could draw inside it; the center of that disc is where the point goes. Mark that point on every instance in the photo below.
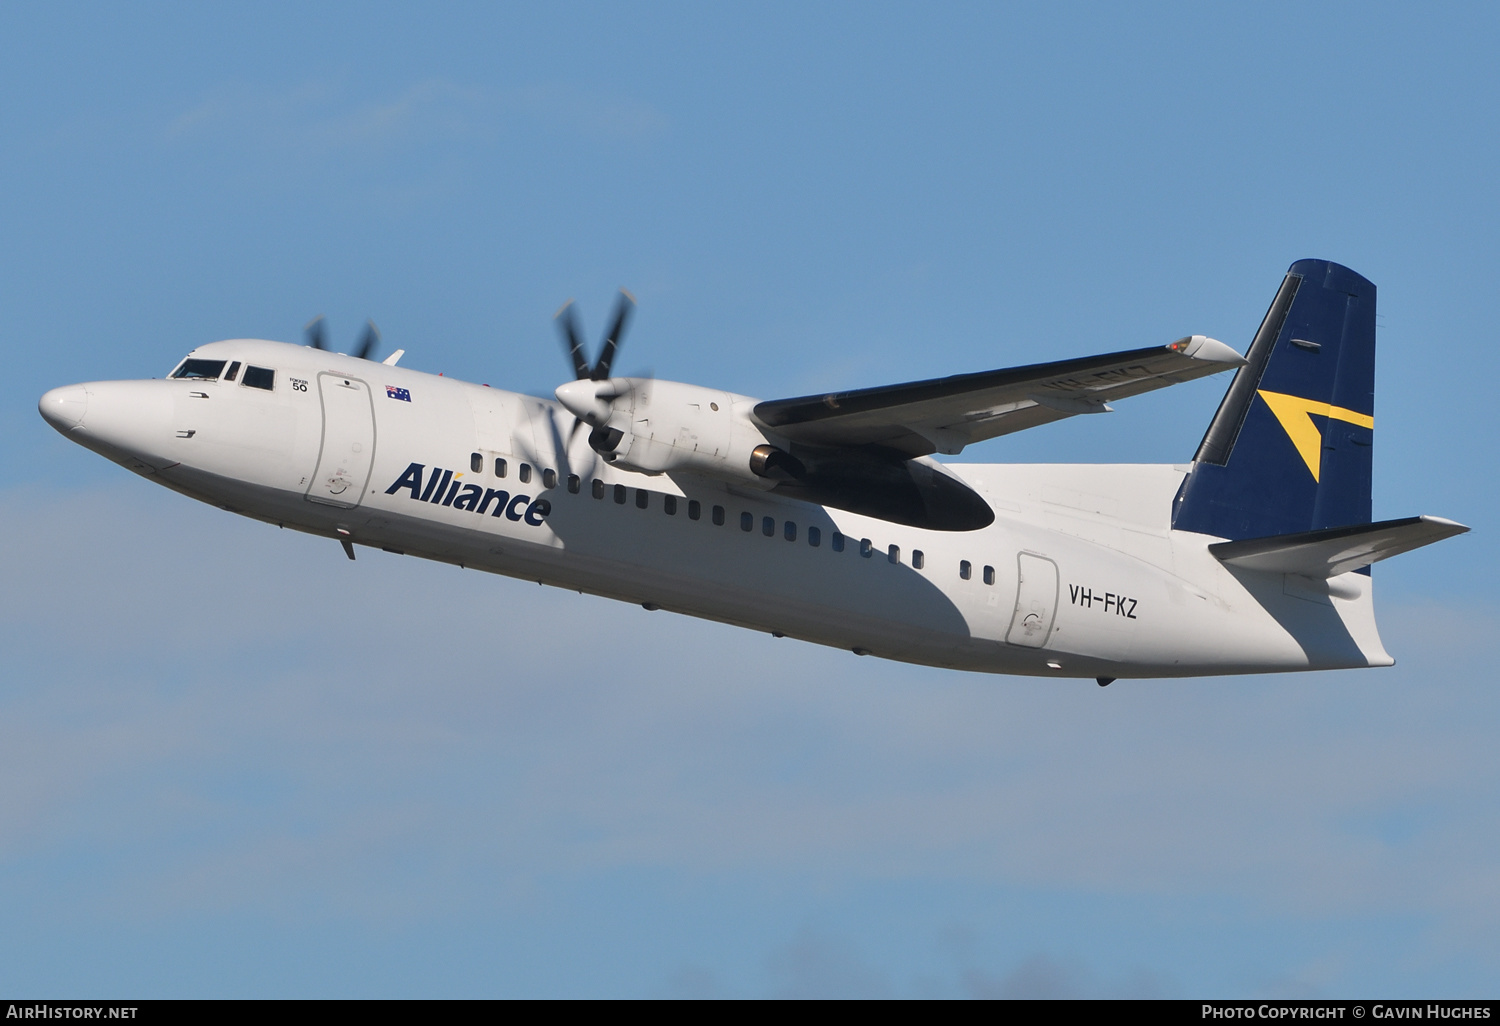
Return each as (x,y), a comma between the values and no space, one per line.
(348,442)
(1036,601)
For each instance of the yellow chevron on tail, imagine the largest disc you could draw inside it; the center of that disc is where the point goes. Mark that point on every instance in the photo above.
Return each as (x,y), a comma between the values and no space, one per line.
(1295,415)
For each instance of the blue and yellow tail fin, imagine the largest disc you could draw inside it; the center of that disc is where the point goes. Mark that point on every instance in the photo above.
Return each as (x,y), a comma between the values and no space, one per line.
(1290,447)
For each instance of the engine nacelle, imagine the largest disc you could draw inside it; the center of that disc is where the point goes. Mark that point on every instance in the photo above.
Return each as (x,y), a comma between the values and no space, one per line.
(658,427)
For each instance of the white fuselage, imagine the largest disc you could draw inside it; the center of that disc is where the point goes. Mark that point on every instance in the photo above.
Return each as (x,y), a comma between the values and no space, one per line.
(1080,575)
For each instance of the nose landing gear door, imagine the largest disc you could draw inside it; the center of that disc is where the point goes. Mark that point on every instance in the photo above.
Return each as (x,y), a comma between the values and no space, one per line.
(348,442)
(1036,601)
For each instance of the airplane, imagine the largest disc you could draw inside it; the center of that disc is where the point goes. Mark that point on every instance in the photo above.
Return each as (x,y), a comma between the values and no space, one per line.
(826,518)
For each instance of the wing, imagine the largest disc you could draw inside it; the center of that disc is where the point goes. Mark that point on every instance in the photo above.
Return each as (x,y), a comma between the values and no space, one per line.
(946,414)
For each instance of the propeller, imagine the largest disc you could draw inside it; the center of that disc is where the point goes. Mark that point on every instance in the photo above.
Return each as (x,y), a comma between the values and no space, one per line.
(316,331)
(549,429)
(567,323)
(623,306)
(572,338)
(367,342)
(590,405)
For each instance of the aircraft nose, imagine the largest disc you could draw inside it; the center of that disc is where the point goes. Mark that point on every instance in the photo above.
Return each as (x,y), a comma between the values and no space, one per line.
(64,408)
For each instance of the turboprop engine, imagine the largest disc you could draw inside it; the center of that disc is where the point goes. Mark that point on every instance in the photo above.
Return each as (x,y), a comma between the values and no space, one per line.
(662,427)
(658,427)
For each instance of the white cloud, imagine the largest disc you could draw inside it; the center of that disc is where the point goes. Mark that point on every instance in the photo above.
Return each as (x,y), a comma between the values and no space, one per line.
(320,116)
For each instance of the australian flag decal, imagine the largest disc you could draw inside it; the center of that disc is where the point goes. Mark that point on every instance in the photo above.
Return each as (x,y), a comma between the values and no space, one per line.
(392,392)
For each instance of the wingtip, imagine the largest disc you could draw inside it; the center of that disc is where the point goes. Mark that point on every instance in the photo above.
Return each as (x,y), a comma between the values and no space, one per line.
(1201,347)
(1453,526)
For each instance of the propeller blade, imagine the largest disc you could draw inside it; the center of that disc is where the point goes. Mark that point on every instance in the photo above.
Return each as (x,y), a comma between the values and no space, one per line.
(316,331)
(567,323)
(573,433)
(564,448)
(562,444)
(368,341)
(623,306)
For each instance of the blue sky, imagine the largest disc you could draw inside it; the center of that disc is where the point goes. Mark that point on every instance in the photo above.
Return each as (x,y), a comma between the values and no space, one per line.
(233,763)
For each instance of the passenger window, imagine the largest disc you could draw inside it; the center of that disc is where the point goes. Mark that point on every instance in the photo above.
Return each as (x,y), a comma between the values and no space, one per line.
(669,505)
(747,521)
(814,537)
(718,516)
(549,478)
(695,509)
(836,543)
(789,531)
(234,368)
(597,488)
(209,370)
(259,377)
(574,484)
(642,498)
(768,526)
(865,548)
(499,467)
(619,495)
(964,569)
(894,554)
(524,473)
(476,462)
(989,575)
(917,559)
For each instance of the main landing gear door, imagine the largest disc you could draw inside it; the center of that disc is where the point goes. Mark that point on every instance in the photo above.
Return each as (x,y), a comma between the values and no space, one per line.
(1036,601)
(348,442)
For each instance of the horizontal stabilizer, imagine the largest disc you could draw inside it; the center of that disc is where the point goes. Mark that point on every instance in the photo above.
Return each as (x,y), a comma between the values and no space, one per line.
(1335,550)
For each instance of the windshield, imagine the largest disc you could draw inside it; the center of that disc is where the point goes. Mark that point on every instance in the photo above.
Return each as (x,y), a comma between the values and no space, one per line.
(209,369)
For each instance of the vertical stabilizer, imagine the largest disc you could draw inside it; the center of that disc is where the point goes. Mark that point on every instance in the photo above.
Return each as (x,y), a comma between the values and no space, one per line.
(1290,447)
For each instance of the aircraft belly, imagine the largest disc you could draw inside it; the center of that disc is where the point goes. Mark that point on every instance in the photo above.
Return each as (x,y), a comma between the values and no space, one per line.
(746,578)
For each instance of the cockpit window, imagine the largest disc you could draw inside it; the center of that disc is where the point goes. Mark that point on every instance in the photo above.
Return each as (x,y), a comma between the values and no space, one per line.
(259,377)
(209,369)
